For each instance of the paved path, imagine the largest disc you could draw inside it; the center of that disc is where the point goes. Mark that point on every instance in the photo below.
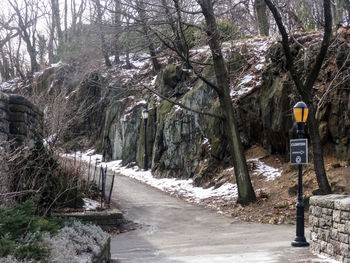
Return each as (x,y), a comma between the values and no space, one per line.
(175,231)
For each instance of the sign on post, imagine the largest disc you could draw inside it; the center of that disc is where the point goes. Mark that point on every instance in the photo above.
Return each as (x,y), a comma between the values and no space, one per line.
(298,151)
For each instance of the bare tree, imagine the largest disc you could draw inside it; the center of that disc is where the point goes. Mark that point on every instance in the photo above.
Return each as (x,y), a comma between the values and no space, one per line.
(104,47)
(305,88)
(246,192)
(117,30)
(26,18)
(261,15)
(141,10)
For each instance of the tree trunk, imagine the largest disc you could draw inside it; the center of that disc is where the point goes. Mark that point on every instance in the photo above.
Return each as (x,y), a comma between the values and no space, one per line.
(104,48)
(50,43)
(116,32)
(261,17)
(317,152)
(152,51)
(337,11)
(246,192)
(56,17)
(65,21)
(4,67)
(128,65)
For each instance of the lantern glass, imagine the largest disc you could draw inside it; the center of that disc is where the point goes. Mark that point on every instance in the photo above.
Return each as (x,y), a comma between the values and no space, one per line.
(300,111)
(145,114)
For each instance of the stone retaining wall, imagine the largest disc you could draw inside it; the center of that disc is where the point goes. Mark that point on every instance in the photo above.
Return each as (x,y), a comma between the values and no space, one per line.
(20,120)
(21,123)
(105,254)
(330,220)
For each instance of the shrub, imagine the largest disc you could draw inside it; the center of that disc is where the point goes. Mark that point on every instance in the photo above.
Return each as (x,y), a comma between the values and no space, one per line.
(37,172)
(21,230)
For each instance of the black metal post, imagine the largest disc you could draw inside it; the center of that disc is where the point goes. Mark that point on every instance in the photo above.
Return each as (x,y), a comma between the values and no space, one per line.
(103,178)
(111,189)
(145,159)
(300,240)
(89,171)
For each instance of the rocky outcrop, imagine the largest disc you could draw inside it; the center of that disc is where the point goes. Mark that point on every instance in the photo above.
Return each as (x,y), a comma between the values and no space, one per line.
(121,130)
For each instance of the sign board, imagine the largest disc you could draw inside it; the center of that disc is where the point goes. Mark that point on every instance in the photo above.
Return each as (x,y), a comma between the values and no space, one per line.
(298,151)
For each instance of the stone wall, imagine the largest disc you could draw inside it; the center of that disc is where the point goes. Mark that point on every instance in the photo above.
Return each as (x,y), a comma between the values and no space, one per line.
(21,123)
(330,220)
(20,120)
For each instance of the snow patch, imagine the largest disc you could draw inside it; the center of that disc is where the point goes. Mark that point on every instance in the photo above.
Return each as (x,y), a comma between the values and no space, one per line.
(90,204)
(267,171)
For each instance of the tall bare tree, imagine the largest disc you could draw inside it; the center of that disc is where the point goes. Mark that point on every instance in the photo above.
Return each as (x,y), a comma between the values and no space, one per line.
(261,17)
(26,19)
(305,85)
(246,192)
(141,10)
(104,46)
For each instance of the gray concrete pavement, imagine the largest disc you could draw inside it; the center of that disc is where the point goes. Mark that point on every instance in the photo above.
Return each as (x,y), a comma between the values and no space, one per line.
(175,231)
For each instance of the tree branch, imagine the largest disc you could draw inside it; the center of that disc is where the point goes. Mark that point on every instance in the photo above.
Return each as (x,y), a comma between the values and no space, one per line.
(182,105)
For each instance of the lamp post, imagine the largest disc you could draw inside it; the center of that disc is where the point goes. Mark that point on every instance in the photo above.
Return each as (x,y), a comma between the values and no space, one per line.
(300,112)
(145,118)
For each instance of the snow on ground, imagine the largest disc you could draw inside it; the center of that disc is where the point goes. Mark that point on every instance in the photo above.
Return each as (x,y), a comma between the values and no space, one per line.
(265,170)
(90,204)
(179,187)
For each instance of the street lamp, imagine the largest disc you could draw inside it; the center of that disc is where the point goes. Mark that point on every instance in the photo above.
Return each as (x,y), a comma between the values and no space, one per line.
(300,112)
(145,118)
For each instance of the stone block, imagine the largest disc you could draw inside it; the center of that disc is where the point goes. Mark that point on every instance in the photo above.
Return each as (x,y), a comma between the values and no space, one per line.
(18,99)
(317,211)
(315,247)
(330,249)
(344,238)
(336,216)
(18,108)
(334,234)
(17,117)
(325,201)
(18,128)
(329,220)
(327,211)
(323,245)
(341,228)
(325,235)
(315,221)
(344,215)
(344,250)
(313,236)
(102,218)
(325,222)
(343,203)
